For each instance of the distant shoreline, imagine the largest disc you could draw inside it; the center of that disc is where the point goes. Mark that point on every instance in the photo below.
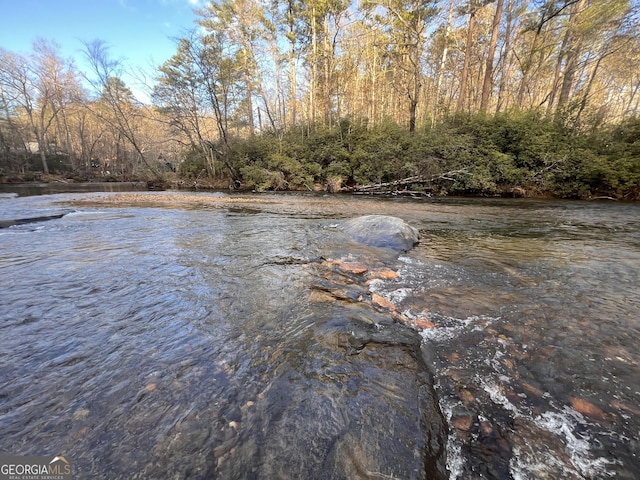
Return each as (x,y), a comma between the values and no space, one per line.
(61,184)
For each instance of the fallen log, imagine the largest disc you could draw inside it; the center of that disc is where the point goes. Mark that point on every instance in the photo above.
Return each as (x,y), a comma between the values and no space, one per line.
(413,180)
(402,193)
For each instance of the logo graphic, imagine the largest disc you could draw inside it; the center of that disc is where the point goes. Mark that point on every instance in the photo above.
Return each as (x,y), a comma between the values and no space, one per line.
(13,467)
(55,459)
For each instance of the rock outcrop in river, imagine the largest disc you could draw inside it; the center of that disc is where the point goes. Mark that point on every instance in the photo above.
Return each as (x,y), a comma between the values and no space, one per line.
(23,221)
(350,394)
(382,231)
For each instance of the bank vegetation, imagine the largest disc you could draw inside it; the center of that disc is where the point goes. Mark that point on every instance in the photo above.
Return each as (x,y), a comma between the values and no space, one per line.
(481,97)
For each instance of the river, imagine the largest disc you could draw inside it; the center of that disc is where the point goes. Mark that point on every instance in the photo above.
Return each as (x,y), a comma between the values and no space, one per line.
(167,335)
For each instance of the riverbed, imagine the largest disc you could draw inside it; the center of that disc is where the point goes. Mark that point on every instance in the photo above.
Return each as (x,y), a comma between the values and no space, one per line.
(200,335)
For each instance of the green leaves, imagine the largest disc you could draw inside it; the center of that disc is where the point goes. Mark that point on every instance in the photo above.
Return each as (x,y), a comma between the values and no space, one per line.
(478,155)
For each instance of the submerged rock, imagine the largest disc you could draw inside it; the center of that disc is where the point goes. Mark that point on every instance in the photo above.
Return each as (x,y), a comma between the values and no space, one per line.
(382,231)
(350,398)
(24,221)
(346,393)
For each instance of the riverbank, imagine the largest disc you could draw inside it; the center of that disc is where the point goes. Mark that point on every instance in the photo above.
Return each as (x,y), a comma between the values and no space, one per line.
(412,187)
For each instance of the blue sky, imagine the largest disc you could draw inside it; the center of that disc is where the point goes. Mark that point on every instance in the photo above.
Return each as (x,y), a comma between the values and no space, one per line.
(137,31)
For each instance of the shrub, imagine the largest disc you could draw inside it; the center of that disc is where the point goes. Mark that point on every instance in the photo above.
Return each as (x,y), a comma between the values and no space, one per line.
(490,155)
(254,176)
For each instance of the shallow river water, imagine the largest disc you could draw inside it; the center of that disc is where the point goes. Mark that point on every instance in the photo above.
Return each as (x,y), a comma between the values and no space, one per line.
(165,335)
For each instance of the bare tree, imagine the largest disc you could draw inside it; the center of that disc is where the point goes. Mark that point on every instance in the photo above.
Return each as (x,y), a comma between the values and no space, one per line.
(405,24)
(31,85)
(201,80)
(122,112)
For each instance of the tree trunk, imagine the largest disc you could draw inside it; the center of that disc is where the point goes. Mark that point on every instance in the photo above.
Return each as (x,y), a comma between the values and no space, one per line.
(556,75)
(506,63)
(488,72)
(314,69)
(464,77)
(43,158)
(294,89)
(527,66)
(574,44)
(587,92)
(41,147)
(629,110)
(413,105)
(373,105)
(248,82)
(326,88)
(443,61)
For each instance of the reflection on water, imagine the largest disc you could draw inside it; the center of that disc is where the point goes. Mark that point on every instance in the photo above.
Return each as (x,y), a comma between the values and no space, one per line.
(26,189)
(211,341)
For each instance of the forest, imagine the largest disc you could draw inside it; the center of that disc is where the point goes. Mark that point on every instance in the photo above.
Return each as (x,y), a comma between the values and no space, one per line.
(451,97)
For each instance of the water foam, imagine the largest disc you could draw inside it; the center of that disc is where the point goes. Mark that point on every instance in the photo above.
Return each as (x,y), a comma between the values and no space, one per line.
(448,328)
(565,424)
(525,462)
(455,459)
(562,424)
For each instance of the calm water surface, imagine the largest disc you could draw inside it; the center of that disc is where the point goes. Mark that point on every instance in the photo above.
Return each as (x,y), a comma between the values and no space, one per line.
(211,340)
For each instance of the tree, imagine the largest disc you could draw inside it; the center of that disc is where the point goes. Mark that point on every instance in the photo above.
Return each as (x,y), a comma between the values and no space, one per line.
(442,63)
(203,78)
(36,86)
(488,71)
(181,99)
(572,46)
(507,55)
(288,22)
(244,26)
(325,23)
(541,45)
(404,23)
(591,34)
(117,106)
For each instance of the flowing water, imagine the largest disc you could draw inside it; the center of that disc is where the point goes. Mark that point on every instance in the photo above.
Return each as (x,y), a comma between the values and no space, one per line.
(206,336)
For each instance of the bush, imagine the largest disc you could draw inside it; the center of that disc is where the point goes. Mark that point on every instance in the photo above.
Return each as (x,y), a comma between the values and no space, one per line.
(194,165)
(254,176)
(490,155)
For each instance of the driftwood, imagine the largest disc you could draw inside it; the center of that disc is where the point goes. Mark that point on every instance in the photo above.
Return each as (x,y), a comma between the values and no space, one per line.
(395,186)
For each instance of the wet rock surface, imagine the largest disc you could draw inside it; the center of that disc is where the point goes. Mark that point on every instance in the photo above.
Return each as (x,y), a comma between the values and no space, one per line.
(382,231)
(240,345)
(23,221)
(356,400)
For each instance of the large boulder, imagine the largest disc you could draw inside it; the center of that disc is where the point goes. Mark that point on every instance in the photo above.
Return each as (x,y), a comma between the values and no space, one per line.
(382,231)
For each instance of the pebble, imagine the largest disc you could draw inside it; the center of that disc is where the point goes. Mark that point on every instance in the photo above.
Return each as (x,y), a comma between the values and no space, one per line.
(586,408)
(466,396)
(383,274)
(618,405)
(81,414)
(532,390)
(423,323)
(463,422)
(355,268)
(380,301)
